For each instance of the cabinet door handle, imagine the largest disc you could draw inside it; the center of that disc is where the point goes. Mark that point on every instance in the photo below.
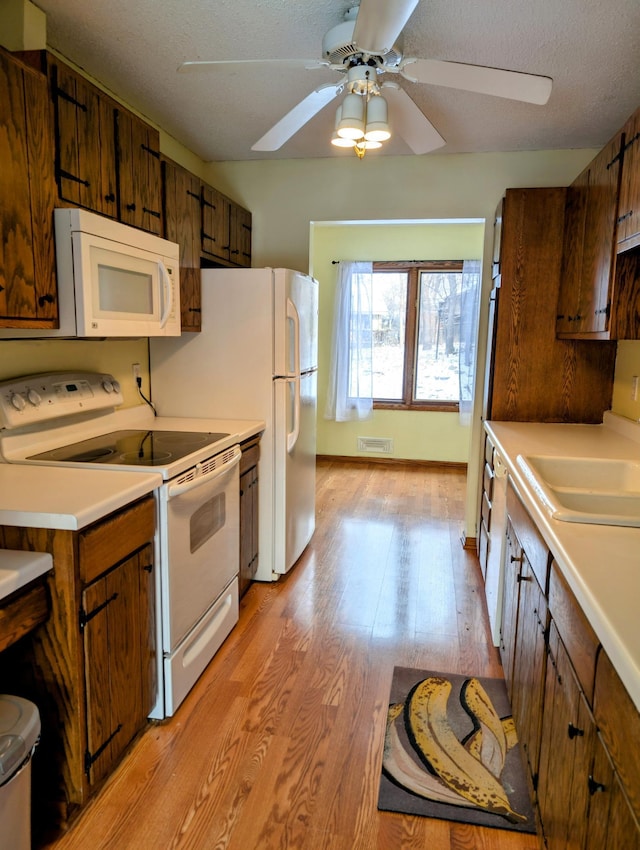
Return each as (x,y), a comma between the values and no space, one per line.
(46,299)
(595,787)
(131,207)
(574,732)
(517,559)
(110,198)
(523,578)
(148,568)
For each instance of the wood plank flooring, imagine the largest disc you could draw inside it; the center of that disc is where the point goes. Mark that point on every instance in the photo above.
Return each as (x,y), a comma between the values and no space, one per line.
(279,745)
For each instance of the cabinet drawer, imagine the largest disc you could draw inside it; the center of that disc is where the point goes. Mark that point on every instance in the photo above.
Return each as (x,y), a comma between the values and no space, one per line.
(249,458)
(575,631)
(619,724)
(488,451)
(486,512)
(529,537)
(487,481)
(110,541)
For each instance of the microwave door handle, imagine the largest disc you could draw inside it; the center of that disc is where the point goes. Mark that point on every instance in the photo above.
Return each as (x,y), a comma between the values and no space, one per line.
(167,296)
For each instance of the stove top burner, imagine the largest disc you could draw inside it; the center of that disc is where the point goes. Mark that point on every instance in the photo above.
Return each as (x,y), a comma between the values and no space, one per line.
(133,448)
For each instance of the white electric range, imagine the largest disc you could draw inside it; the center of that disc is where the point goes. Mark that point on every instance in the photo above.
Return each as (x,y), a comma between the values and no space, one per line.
(71,419)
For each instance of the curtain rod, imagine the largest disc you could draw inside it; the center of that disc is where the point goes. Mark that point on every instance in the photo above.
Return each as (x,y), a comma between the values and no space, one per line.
(403,262)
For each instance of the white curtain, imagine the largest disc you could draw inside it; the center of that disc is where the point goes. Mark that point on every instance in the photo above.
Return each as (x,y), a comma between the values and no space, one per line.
(467,352)
(350,393)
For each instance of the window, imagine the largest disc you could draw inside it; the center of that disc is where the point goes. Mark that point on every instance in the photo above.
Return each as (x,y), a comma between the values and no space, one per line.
(416,312)
(404,337)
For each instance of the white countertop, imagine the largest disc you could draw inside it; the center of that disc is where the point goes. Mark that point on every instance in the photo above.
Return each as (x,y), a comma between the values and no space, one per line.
(61,497)
(601,563)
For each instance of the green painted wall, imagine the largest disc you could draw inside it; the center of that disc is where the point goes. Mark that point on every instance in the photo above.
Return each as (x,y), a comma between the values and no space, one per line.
(28,357)
(416,435)
(286,196)
(627,366)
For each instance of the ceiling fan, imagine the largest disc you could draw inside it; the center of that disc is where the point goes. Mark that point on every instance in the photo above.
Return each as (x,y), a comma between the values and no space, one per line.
(363,50)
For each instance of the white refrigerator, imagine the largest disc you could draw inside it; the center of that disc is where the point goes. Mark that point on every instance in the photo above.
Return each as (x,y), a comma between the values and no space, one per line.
(255,358)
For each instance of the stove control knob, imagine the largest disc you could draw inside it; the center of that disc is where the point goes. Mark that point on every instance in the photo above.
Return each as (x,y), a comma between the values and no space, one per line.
(34,398)
(107,386)
(18,402)
(116,386)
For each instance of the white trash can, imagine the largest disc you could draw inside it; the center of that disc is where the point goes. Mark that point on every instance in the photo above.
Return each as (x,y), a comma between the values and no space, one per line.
(19,734)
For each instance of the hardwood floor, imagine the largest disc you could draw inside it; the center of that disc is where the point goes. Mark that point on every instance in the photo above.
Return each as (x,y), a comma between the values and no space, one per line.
(279,745)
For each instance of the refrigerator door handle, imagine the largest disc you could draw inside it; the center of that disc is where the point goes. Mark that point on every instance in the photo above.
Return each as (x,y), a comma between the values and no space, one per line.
(292,315)
(292,436)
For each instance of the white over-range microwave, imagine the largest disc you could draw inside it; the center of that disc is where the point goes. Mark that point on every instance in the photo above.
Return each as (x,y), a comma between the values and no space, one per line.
(113,280)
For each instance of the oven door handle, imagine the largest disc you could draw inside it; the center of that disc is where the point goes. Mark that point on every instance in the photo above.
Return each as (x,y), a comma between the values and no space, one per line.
(200,480)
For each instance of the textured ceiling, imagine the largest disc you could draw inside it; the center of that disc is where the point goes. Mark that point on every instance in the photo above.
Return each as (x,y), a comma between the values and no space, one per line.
(589,48)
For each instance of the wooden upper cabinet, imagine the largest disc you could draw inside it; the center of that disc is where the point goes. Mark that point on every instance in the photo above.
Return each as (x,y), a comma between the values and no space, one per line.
(215,223)
(536,377)
(584,302)
(629,206)
(106,158)
(28,295)
(85,141)
(139,173)
(181,215)
(226,229)
(239,235)
(568,313)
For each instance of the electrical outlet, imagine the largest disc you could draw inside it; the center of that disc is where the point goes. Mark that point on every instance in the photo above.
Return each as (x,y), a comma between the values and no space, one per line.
(135,368)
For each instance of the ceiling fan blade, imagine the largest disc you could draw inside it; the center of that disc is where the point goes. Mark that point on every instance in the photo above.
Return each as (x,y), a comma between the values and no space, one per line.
(380,22)
(205,64)
(409,121)
(478,78)
(297,118)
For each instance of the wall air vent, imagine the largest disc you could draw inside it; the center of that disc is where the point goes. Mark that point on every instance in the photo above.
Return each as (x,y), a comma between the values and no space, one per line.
(379,445)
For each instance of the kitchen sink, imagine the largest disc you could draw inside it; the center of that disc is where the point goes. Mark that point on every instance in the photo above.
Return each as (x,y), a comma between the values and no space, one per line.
(604,491)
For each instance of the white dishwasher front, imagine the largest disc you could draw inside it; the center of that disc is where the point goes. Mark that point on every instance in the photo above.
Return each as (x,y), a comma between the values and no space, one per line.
(494,578)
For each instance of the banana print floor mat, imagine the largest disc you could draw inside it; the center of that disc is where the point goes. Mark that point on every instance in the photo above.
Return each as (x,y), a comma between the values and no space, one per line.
(451,752)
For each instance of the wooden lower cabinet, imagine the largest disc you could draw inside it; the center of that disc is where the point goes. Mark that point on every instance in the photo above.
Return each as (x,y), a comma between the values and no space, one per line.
(612,824)
(567,743)
(529,664)
(249,517)
(116,621)
(90,668)
(577,725)
(510,599)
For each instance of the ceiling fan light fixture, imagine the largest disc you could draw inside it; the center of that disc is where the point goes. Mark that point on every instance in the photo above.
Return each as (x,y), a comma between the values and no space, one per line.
(341,142)
(351,123)
(362,80)
(377,128)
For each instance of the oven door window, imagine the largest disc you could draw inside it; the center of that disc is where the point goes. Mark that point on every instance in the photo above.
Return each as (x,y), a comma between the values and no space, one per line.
(206,521)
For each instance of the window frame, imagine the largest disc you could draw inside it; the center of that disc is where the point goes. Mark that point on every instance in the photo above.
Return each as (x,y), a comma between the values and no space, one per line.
(413,268)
